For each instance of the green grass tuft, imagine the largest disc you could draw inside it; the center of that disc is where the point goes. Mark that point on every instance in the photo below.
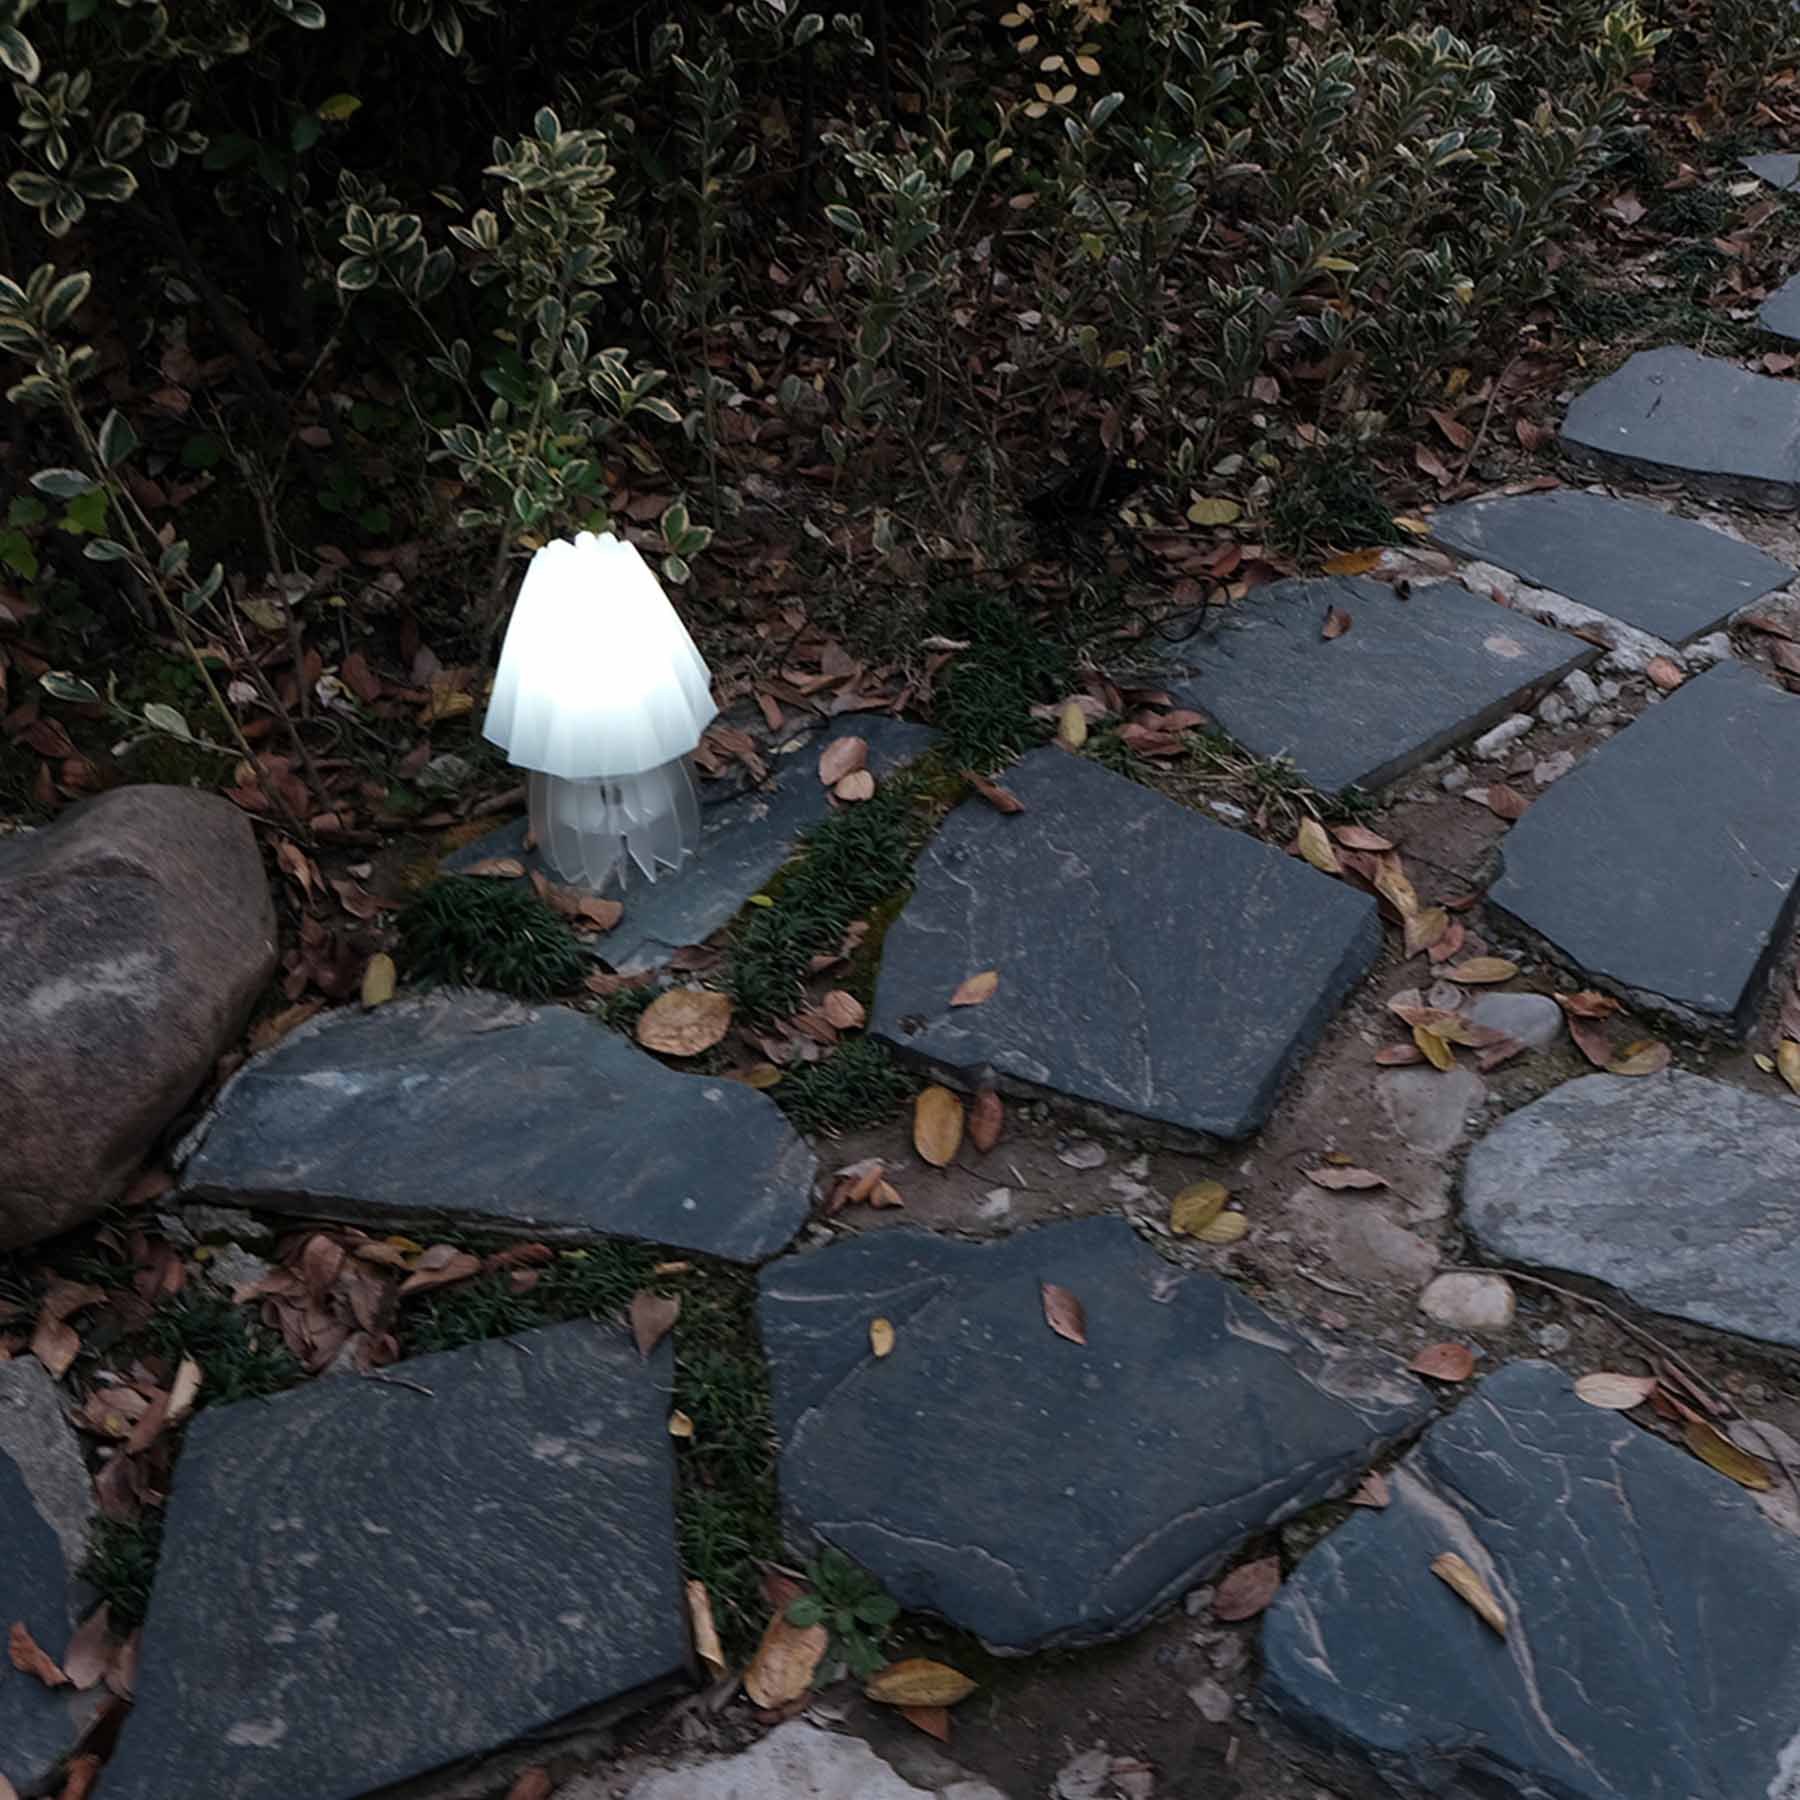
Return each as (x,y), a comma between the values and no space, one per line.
(1330,500)
(857,1084)
(238,1361)
(984,701)
(469,931)
(121,1564)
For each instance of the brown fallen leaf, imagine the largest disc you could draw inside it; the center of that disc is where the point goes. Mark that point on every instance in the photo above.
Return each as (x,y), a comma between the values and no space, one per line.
(1590,1040)
(680,1424)
(1392,884)
(80,1773)
(842,756)
(987,1119)
(934,1721)
(652,1318)
(1317,848)
(1196,1206)
(1360,837)
(1615,1393)
(441,1265)
(782,1669)
(1714,1448)
(918,1681)
(1247,1590)
(977,989)
(1666,674)
(30,1659)
(1434,1049)
(380,978)
(1337,622)
(1064,1313)
(881,1337)
(1503,1052)
(1424,928)
(1450,944)
(1787,1063)
(844,1010)
(90,1651)
(684,1021)
(856,787)
(706,1633)
(1398,1056)
(1352,562)
(1444,1362)
(497,868)
(1452,1027)
(535,1784)
(1372,1490)
(1506,803)
(1481,970)
(1470,1589)
(937,1126)
(1644,1056)
(1002,800)
(1340,1178)
(55,1344)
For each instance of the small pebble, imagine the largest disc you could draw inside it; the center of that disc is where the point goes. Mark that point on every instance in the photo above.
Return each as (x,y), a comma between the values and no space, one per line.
(1553,709)
(1198,1601)
(1216,1706)
(1553,768)
(1553,1337)
(1082,1153)
(1491,743)
(1470,1302)
(1454,779)
(1582,694)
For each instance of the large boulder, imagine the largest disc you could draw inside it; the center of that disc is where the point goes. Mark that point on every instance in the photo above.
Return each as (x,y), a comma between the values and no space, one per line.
(135,936)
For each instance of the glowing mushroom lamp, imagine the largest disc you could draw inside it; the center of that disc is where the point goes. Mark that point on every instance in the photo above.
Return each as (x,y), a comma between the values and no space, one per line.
(601,695)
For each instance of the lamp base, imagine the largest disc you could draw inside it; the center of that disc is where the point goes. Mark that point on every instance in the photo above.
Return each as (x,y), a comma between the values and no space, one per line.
(591,831)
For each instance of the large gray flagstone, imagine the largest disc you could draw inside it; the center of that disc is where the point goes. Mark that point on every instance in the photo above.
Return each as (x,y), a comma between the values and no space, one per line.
(1710,421)
(1665,863)
(361,1582)
(1635,562)
(1780,313)
(1038,1491)
(744,839)
(1780,170)
(1682,1192)
(1410,678)
(474,1110)
(46,1508)
(1151,962)
(1652,1649)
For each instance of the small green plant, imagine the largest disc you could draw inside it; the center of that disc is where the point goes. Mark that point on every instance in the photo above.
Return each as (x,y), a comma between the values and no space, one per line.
(237,1360)
(857,1084)
(852,1605)
(1329,499)
(121,1565)
(984,701)
(469,931)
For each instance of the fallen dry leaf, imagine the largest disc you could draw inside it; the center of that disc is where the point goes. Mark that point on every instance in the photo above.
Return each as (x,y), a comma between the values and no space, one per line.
(1360,837)
(90,1651)
(79,1776)
(1071,726)
(1248,1589)
(1482,970)
(976,989)
(1712,1447)
(1227,1228)
(1434,1049)
(937,1126)
(1615,1393)
(1506,803)
(441,1265)
(652,1317)
(706,1633)
(1001,799)
(856,787)
(987,1119)
(1317,848)
(535,1784)
(1392,884)
(29,1658)
(1196,1206)
(380,978)
(1064,1313)
(1590,1040)
(1337,622)
(684,1021)
(184,1390)
(1470,1589)
(1424,928)
(680,1425)
(1666,674)
(499,868)
(55,1344)
(918,1681)
(1337,1178)
(1444,1362)
(934,1721)
(1787,1063)
(1398,1056)
(842,756)
(844,1010)
(782,1669)
(881,1336)
(1352,562)
(1372,1490)
(1644,1056)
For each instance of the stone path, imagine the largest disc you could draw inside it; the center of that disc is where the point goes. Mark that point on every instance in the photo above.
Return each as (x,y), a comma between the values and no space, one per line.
(366,1582)
(1652,1645)
(1410,677)
(1150,961)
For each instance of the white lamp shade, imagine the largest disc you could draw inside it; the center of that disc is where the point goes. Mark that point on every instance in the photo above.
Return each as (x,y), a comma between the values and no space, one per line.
(598,675)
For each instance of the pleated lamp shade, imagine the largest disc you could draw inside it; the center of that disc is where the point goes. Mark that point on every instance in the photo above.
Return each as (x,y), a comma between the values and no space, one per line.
(602,695)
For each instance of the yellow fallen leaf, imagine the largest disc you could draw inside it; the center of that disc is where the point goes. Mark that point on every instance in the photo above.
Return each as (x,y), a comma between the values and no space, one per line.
(881,1337)
(1613,1392)
(1071,725)
(1787,1063)
(1210,510)
(782,1669)
(1392,884)
(1437,1052)
(379,979)
(977,989)
(680,1425)
(1646,1056)
(1227,1228)
(1354,562)
(1413,527)
(1717,1450)
(918,1681)
(762,1075)
(183,1391)
(706,1634)
(684,1021)
(1196,1207)
(1318,849)
(1765,1063)
(1480,970)
(937,1126)
(1470,1588)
